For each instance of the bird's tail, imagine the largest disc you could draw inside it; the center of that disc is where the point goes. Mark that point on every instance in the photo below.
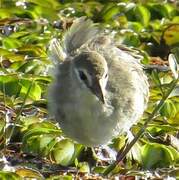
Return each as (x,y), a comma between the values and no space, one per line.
(79,33)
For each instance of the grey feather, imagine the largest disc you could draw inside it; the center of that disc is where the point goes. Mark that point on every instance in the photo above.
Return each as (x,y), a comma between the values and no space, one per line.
(79,33)
(56,51)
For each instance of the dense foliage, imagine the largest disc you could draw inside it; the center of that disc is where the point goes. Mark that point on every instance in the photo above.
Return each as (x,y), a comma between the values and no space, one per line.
(31,143)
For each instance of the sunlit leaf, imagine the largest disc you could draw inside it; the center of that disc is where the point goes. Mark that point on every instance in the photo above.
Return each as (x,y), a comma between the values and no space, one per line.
(142,14)
(78,149)
(11,43)
(171,34)
(35,91)
(63,152)
(28,173)
(110,13)
(31,67)
(84,167)
(9,175)
(136,26)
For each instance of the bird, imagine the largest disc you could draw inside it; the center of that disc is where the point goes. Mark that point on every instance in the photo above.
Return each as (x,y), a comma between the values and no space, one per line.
(99,89)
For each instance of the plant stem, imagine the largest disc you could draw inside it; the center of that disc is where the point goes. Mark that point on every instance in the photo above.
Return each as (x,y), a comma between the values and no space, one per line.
(142,130)
(20,111)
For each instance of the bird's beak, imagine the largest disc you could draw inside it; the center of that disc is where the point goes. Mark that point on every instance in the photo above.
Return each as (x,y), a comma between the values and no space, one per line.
(97,90)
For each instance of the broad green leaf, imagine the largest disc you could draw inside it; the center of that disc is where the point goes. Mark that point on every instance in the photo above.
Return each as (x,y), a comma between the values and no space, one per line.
(155,77)
(157,129)
(170,10)
(78,149)
(131,39)
(15,57)
(46,144)
(110,13)
(40,138)
(157,156)
(84,167)
(142,14)
(19,34)
(28,173)
(4,52)
(135,26)
(9,175)
(10,55)
(160,11)
(168,109)
(63,152)
(27,121)
(60,177)
(175,120)
(41,128)
(4,13)
(171,34)
(32,50)
(11,43)
(35,91)
(9,84)
(31,67)
(175,19)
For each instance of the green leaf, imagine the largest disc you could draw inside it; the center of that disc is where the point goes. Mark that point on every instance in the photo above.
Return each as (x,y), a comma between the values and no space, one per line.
(11,43)
(9,83)
(160,11)
(40,138)
(170,10)
(110,13)
(135,26)
(61,177)
(84,167)
(33,50)
(31,67)
(170,35)
(131,39)
(157,156)
(46,144)
(40,131)
(142,14)
(9,175)
(157,129)
(35,91)
(29,173)
(78,149)
(168,109)
(63,152)
(155,77)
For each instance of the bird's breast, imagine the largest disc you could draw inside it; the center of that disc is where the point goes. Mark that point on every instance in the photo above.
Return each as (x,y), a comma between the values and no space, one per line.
(88,120)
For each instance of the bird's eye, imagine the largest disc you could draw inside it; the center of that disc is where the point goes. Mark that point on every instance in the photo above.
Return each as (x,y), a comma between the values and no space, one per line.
(106,75)
(82,75)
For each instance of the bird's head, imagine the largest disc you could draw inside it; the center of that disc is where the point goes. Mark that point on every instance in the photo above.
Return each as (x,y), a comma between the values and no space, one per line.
(92,71)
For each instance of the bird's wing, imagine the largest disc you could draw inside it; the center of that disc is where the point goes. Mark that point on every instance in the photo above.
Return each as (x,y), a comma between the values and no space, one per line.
(79,33)
(135,53)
